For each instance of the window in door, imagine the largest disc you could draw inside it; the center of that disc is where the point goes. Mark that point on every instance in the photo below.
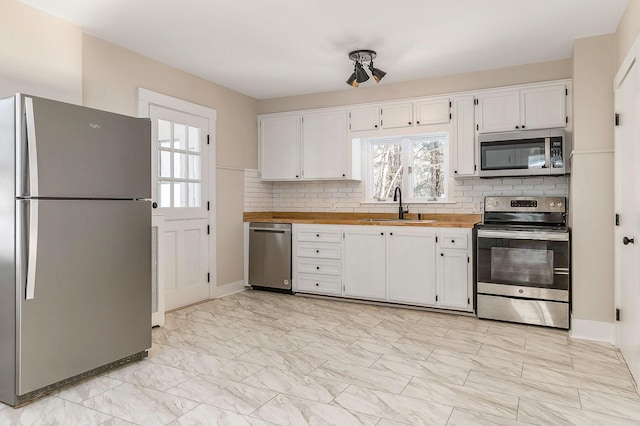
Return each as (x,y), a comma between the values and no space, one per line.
(179,165)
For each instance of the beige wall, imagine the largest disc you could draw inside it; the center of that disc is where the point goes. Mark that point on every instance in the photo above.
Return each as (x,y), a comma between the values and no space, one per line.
(39,54)
(553,70)
(592,178)
(628,31)
(111,78)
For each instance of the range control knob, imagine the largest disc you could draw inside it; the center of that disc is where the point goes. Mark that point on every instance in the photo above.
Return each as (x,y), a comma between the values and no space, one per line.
(496,203)
(552,204)
(559,204)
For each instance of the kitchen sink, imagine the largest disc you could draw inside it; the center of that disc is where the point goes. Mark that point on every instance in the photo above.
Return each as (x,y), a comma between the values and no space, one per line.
(399,220)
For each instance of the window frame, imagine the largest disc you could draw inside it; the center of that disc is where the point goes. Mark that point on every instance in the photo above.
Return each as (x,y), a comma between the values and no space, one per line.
(407,160)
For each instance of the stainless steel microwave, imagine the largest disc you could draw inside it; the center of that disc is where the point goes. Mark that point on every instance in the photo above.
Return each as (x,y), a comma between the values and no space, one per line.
(524,153)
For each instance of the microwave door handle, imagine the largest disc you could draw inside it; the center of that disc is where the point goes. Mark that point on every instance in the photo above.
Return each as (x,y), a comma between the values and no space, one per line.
(547,153)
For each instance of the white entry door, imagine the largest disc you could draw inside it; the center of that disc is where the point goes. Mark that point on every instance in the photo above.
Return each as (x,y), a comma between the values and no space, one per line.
(180,170)
(627,200)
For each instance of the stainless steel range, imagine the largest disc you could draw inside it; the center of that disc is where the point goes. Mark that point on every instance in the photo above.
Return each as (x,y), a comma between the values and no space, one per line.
(523,261)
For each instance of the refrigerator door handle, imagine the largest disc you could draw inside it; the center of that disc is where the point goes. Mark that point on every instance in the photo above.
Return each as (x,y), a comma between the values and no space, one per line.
(32,147)
(32,257)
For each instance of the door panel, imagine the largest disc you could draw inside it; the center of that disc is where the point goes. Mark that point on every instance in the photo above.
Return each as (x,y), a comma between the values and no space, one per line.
(82,152)
(627,205)
(92,294)
(411,259)
(364,269)
(186,262)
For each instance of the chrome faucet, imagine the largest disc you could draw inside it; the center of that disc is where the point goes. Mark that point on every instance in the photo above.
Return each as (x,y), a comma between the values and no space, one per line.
(401,212)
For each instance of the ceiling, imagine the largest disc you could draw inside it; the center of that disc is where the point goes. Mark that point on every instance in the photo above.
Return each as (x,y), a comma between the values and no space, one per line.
(274,48)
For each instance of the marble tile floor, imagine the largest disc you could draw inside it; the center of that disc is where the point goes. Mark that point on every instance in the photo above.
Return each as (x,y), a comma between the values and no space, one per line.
(258,358)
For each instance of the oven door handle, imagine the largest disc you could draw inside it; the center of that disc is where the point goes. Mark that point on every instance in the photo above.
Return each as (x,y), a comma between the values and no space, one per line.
(524,235)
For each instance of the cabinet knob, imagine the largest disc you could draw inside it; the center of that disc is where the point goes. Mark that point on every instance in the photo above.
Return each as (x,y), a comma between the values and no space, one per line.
(382,233)
(317,251)
(455,171)
(344,174)
(441,254)
(318,235)
(297,176)
(154,205)
(417,122)
(376,126)
(317,284)
(453,241)
(317,267)
(523,126)
(409,123)
(517,127)
(390,233)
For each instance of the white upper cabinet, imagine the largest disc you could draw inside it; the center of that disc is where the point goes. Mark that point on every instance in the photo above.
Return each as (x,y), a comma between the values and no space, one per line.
(364,118)
(280,147)
(528,108)
(384,116)
(544,107)
(463,142)
(433,111)
(394,115)
(324,145)
(499,111)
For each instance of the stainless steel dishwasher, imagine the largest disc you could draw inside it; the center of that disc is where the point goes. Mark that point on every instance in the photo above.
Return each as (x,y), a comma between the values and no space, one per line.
(270,256)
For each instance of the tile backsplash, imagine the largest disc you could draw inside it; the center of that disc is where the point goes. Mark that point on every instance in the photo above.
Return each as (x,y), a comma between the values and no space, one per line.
(466,195)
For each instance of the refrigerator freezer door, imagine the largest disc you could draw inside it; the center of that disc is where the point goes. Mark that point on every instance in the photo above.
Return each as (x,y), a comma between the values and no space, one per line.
(78,152)
(92,290)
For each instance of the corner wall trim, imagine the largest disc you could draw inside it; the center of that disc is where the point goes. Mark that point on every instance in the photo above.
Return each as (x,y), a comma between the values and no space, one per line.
(592,330)
(227,289)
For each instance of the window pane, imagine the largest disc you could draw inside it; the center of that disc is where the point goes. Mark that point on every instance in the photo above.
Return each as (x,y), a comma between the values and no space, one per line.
(164,134)
(179,194)
(164,168)
(179,136)
(194,195)
(387,169)
(194,167)
(164,194)
(194,139)
(428,174)
(179,165)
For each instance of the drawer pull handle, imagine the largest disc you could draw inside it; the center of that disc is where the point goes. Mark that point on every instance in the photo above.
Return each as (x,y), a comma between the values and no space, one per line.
(317,284)
(317,251)
(317,267)
(318,235)
(453,241)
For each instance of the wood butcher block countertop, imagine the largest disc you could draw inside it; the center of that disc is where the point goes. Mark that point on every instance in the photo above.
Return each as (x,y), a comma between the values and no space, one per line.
(367,219)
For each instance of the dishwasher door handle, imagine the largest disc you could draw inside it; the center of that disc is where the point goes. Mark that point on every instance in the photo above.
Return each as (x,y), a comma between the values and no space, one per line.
(272,231)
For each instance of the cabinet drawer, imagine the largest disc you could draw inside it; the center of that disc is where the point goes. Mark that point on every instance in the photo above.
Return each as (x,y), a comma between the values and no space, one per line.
(319,284)
(319,235)
(320,250)
(319,266)
(453,241)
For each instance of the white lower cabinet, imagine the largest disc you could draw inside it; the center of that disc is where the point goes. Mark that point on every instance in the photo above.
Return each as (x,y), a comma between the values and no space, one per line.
(409,265)
(364,265)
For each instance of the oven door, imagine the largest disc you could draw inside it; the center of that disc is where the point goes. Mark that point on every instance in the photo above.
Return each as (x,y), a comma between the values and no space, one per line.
(527,264)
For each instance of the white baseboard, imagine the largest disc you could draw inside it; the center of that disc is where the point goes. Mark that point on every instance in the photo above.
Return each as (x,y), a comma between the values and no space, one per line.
(227,289)
(592,330)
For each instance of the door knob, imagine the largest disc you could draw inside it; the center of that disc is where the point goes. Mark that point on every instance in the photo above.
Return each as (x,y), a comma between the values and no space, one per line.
(627,240)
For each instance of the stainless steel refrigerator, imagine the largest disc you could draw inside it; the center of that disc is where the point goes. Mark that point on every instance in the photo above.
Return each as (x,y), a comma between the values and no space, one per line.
(75,243)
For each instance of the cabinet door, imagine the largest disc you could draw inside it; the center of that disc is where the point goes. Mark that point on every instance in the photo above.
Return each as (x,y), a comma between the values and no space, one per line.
(364,269)
(544,107)
(453,279)
(411,263)
(364,118)
(396,115)
(434,111)
(499,111)
(463,147)
(324,145)
(280,147)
